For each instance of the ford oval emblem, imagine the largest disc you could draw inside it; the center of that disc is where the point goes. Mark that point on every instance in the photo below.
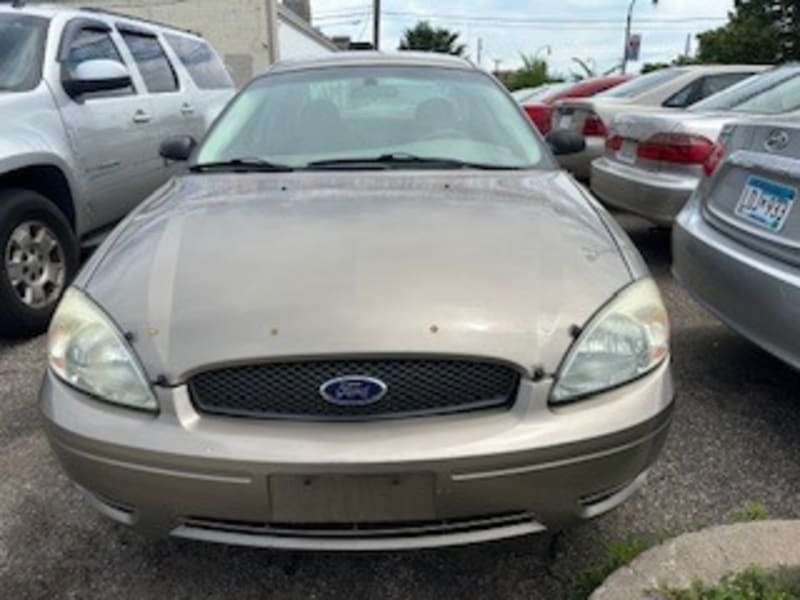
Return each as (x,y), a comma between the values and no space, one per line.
(353,390)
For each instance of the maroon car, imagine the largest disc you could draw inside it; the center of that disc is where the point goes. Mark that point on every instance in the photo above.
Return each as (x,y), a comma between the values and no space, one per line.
(540,106)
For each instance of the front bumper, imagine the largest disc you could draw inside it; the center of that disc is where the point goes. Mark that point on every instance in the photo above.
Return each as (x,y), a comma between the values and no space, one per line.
(579,164)
(360,486)
(658,197)
(754,294)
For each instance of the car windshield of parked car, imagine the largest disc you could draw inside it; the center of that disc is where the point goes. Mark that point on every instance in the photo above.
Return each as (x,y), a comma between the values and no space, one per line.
(772,93)
(339,114)
(21,50)
(642,84)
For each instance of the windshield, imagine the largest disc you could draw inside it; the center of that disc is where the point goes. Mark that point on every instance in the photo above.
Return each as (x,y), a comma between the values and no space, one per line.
(21,49)
(346,113)
(640,85)
(772,93)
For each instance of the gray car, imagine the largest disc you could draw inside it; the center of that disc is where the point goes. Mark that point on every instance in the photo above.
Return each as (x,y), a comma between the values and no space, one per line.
(736,244)
(654,161)
(675,88)
(359,323)
(86,97)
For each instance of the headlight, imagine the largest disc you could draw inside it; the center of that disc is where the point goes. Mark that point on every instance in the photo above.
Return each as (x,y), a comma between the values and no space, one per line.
(628,338)
(88,352)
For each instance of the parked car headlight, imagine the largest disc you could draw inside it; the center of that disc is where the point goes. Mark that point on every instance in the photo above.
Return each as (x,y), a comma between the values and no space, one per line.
(628,338)
(88,352)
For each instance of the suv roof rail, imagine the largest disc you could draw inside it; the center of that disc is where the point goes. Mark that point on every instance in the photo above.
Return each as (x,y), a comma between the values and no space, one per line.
(112,13)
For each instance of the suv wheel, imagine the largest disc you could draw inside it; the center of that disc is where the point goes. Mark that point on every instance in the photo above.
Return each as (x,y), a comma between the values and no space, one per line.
(39,257)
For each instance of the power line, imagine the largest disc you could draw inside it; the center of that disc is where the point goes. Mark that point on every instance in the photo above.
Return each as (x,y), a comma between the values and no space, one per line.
(515,20)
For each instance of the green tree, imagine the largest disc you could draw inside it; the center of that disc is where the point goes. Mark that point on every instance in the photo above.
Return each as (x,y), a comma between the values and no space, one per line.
(758,31)
(532,73)
(676,62)
(425,38)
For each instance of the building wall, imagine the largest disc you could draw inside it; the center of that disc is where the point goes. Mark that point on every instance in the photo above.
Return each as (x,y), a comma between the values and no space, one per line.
(236,28)
(295,44)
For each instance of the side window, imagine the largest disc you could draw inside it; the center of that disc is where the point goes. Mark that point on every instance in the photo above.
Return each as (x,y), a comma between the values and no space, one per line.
(716,83)
(157,72)
(205,68)
(93,44)
(685,97)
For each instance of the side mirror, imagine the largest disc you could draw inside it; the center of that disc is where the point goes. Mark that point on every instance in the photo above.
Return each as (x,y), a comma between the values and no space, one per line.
(99,75)
(178,148)
(565,141)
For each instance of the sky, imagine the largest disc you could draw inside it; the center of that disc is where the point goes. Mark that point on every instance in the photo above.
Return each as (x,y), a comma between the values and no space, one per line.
(592,30)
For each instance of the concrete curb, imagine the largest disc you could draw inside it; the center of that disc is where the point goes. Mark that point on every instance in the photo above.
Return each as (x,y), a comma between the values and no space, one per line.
(708,555)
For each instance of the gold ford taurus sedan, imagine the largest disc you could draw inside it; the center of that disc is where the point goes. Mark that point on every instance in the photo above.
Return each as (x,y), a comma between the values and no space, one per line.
(373,314)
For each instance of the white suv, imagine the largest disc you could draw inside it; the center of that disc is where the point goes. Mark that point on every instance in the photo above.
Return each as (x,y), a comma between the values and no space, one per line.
(86,99)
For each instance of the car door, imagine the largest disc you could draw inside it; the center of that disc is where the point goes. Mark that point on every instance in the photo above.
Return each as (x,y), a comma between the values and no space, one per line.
(107,130)
(171,108)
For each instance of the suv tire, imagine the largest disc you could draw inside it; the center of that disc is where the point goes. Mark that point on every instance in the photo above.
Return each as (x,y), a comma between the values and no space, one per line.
(38,259)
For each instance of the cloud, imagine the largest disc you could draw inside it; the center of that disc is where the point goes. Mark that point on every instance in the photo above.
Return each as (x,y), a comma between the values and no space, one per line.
(664,27)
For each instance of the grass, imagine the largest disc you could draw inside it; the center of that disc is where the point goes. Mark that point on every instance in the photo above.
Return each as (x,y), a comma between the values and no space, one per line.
(751,511)
(620,553)
(753,584)
(624,552)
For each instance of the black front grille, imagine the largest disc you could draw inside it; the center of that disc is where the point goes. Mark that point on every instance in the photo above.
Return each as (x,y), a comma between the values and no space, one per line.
(415,387)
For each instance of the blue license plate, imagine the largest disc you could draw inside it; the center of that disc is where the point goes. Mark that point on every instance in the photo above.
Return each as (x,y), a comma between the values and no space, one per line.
(766,203)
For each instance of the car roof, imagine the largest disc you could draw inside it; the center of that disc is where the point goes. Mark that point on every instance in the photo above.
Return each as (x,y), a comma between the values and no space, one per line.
(49,11)
(368,58)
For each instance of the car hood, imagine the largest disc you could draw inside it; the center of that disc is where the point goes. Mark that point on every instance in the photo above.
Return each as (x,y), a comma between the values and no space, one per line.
(227,269)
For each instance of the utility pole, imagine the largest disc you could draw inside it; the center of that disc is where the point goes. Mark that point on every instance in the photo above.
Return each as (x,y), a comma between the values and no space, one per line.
(628,34)
(480,51)
(376,25)
(273,41)
(627,37)
(688,49)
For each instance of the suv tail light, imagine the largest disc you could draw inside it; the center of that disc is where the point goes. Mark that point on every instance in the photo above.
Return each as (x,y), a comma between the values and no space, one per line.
(714,159)
(593,125)
(681,148)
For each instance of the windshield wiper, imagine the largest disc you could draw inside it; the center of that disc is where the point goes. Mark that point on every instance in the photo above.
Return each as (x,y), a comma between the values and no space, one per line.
(403,159)
(242,165)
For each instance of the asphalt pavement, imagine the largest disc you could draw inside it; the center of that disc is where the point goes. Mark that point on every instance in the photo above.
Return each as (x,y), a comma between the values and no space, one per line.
(736,438)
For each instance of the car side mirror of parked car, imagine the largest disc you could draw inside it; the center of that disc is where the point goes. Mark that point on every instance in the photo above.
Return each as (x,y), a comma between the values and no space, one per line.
(177,148)
(565,141)
(99,75)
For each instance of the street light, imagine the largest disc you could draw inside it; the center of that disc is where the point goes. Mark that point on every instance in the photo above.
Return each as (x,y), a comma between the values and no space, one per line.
(628,34)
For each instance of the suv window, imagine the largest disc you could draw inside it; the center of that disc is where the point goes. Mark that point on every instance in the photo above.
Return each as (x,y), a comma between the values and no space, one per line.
(205,68)
(93,44)
(157,72)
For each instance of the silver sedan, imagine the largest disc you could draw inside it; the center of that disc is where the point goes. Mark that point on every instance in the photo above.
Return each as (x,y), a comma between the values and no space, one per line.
(654,161)
(374,314)
(736,245)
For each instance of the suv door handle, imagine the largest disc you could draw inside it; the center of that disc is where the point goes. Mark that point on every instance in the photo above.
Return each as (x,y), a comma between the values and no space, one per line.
(141,116)
(187,109)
